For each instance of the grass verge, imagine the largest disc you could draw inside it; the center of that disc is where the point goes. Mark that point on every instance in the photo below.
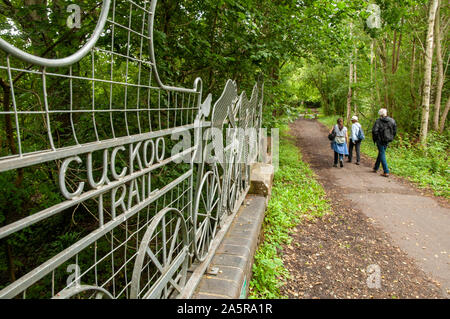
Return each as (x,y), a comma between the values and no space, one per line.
(428,168)
(295,195)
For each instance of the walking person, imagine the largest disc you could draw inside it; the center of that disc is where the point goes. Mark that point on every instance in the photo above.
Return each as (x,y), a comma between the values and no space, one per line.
(383,133)
(340,142)
(356,138)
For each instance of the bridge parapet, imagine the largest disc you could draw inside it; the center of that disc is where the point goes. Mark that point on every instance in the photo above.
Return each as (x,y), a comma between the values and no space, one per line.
(125,180)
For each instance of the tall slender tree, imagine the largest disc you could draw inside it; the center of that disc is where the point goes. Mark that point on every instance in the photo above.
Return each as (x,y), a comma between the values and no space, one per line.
(427,74)
(444,116)
(440,69)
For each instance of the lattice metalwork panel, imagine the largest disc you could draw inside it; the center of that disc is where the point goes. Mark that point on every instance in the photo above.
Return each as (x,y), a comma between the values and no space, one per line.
(88,173)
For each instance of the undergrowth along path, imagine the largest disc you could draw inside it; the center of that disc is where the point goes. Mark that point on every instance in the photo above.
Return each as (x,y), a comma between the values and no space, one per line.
(296,196)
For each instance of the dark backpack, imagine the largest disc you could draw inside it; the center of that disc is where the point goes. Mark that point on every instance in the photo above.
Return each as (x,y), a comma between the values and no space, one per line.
(386,132)
(332,135)
(361,135)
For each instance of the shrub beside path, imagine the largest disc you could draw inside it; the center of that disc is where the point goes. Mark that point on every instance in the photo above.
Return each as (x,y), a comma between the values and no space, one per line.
(376,221)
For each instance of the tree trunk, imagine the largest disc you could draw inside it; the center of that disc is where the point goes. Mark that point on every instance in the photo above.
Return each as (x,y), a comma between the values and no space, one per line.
(9,132)
(350,92)
(444,116)
(383,58)
(355,81)
(371,60)
(396,51)
(212,37)
(395,60)
(38,38)
(427,75)
(375,70)
(10,257)
(411,77)
(394,47)
(440,65)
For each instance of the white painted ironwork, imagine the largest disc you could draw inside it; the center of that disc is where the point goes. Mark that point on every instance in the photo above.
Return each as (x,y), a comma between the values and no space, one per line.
(107,131)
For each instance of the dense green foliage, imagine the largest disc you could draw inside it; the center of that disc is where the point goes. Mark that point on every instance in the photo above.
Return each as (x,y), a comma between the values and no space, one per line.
(388,65)
(296,195)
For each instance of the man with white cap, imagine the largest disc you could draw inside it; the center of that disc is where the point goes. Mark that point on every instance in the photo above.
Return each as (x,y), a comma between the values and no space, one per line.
(355,140)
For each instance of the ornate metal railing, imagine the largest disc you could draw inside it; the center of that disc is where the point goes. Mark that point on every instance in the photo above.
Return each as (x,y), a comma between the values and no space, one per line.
(92,138)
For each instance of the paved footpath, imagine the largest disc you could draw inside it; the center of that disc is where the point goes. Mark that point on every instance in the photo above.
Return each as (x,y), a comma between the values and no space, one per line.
(418,224)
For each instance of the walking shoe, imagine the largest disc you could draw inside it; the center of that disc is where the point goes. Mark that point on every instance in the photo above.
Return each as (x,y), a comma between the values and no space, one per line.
(385,174)
(349,161)
(374,170)
(342,163)
(334,165)
(357,163)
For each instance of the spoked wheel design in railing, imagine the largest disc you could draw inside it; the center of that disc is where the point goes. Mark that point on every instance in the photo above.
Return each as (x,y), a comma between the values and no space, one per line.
(245,176)
(234,178)
(84,292)
(161,265)
(206,213)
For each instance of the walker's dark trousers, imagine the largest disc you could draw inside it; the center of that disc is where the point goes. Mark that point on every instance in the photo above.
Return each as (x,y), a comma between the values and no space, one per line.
(357,146)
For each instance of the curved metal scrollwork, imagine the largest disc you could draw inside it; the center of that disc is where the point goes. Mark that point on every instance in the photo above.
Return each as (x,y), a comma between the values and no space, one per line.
(74,58)
(84,292)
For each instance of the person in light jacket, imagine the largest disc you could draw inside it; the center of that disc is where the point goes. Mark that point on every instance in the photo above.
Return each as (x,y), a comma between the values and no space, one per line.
(339,145)
(354,141)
